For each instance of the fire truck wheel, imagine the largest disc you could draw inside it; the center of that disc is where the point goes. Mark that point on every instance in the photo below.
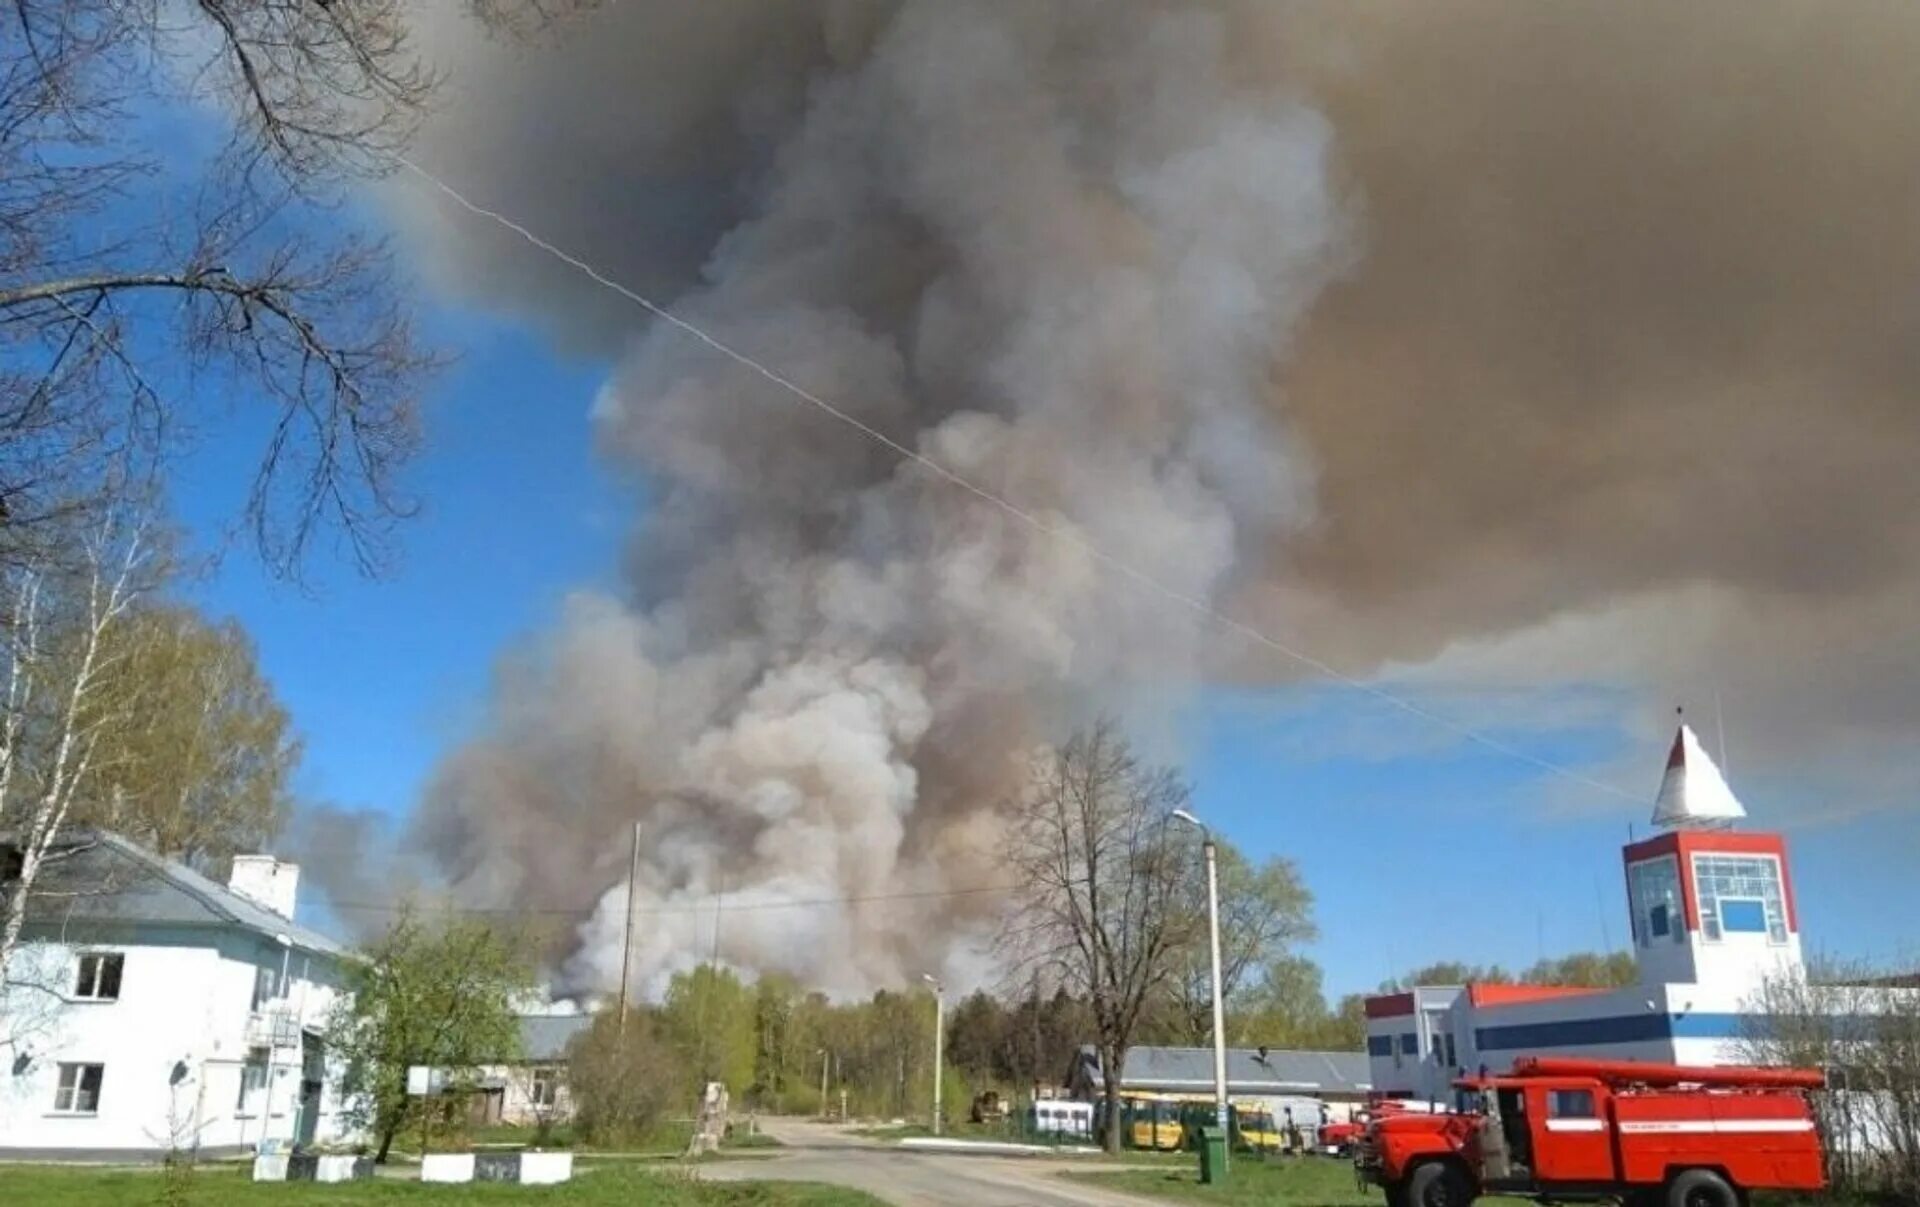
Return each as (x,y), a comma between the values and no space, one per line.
(1700,1188)
(1439,1185)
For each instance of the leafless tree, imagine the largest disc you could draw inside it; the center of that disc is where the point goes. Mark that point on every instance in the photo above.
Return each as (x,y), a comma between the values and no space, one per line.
(1863,1028)
(135,278)
(1102,875)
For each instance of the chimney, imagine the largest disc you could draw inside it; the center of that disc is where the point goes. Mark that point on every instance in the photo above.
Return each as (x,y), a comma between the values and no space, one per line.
(266,882)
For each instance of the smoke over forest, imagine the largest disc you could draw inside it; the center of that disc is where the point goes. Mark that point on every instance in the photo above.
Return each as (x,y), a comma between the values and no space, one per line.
(1571,344)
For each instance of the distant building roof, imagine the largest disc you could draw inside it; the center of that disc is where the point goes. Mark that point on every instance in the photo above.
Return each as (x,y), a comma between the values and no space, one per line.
(104,879)
(1249,1071)
(1512,995)
(544,1037)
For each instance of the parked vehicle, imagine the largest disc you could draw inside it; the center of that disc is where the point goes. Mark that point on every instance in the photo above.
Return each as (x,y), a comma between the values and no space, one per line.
(1652,1135)
(988,1107)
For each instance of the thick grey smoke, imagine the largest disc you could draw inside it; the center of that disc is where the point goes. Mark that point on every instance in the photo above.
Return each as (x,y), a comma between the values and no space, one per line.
(1622,391)
(1059,249)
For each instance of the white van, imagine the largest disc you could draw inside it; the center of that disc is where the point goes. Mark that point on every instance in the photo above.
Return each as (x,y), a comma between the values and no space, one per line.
(1061,1117)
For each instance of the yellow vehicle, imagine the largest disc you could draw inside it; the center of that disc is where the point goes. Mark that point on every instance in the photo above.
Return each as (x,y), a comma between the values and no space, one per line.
(1254,1128)
(1153,1122)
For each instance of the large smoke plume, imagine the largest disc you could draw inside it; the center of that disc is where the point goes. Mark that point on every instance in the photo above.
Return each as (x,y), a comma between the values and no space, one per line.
(1620,388)
(1058,250)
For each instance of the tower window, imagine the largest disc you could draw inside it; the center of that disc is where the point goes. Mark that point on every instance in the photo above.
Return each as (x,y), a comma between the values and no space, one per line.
(1655,886)
(1740,894)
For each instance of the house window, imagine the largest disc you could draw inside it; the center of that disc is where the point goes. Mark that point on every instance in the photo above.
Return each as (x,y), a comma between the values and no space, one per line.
(253,1081)
(1740,894)
(546,1087)
(264,986)
(1655,885)
(99,978)
(1570,1104)
(79,1090)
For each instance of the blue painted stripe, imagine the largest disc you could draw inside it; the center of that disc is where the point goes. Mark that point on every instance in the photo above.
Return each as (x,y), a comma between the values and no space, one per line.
(1638,1028)
(1574,1032)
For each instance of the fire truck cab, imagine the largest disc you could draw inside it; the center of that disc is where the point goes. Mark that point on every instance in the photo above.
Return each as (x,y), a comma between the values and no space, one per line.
(1557,1129)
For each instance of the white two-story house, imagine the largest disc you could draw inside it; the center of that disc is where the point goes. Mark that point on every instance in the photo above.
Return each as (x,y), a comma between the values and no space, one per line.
(153,1010)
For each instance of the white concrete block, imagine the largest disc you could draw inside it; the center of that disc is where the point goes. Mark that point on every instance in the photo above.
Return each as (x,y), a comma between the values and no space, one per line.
(270,1167)
(334,1169)
(446,1167)
(545,1169)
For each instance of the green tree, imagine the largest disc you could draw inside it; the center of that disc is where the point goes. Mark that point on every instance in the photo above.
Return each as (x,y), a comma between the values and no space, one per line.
(977,1037)
(433,992)
(1265,910)
(621,1079)
(1347,1025)
(1287,1009)
(708,1019)
(1449,972)
(1587,969)
(197,766)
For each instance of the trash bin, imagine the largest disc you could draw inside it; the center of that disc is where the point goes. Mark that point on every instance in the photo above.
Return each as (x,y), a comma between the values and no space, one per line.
(1213,1156)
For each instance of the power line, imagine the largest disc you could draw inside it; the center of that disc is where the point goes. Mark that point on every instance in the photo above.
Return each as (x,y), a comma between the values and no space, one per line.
(1119,566)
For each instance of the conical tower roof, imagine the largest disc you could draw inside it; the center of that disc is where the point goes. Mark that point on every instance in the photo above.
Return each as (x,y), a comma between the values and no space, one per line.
(1694,795)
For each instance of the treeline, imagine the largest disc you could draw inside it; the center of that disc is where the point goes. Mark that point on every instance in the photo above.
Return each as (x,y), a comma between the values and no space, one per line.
(770,1041)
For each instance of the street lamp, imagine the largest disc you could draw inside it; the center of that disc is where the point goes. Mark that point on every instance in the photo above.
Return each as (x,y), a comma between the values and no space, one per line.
(939,1041)
(823,1083)
(1213,937)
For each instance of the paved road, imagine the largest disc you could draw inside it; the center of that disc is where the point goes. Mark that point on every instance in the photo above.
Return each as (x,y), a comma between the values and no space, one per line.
(818,1152)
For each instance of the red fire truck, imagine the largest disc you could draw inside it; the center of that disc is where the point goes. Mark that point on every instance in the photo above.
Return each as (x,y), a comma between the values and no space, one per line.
(1652,1135)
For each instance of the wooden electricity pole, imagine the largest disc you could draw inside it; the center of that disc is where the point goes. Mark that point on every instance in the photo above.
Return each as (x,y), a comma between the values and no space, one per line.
(626,946)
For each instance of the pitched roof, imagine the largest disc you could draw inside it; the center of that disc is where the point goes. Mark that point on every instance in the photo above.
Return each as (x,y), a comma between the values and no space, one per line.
(544,1037)
(1279,1071)
(106,878)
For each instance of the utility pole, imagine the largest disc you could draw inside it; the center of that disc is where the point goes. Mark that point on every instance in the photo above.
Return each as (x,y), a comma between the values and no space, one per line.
(626,949)
(939,1041)
(1213,936)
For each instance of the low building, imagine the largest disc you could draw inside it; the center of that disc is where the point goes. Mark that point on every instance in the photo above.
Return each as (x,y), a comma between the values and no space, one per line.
(1274,1077)
(152,1010)
(532,1089)
(1713,920)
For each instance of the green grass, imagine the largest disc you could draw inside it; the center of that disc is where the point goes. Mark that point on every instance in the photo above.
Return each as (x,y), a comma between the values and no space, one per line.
(1305,1181)
(1254,1182)
(226,1186)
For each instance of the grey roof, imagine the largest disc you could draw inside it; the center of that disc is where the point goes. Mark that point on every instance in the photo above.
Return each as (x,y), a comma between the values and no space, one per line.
(544,1037)
(1280,1071)
(104,878)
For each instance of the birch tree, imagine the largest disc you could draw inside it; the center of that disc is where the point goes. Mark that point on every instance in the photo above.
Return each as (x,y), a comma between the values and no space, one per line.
(56,644)
(199,767)
(1100,907)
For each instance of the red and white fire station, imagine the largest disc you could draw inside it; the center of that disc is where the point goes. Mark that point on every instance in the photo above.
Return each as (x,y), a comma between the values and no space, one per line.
(1713,918)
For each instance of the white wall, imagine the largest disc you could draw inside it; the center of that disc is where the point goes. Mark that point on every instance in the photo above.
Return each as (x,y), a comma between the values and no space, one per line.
(172,1045)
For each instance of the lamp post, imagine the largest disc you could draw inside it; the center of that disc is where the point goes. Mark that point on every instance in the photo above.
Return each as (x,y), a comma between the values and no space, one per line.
(1213,937)
(939,1041)
(823,1083)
